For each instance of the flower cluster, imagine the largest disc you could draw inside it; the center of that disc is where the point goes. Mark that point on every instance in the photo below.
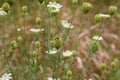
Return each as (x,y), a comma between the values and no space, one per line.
(6,76)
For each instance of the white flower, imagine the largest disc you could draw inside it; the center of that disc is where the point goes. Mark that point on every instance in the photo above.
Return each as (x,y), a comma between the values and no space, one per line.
(50,78)
(18,29)
(97,37)
(2,12)
(104,15)
(66,24)
(67,53)
(52,51)
(55,7)
(88,79)
(36,30)
(6,76)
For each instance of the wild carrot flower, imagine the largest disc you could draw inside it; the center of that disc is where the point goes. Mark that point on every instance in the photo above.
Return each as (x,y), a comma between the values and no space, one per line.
(97,37)
(2,12)
(104,15)
(67,53)
(52,51)
(66,24)
(18,29)
(54,7)
(36,30)
(6,76)
(50,78)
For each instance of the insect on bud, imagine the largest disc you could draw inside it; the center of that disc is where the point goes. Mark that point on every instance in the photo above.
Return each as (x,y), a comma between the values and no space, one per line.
(57,43)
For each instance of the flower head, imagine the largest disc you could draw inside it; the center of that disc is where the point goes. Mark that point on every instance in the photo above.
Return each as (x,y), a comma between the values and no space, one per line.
(97,37)
(54,7)
(66,24)
(104,15)
(52,51)
(6,76)
(50,78)
(36,30)
(67,53)
(2,12)
(18,29)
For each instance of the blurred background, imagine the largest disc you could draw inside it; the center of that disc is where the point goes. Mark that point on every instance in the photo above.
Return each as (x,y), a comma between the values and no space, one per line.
(84,29)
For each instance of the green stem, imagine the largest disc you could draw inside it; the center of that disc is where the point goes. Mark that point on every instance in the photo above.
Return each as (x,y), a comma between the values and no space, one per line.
(4,49)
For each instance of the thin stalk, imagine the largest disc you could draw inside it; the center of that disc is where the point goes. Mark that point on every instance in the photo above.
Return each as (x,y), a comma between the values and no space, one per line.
(4,49)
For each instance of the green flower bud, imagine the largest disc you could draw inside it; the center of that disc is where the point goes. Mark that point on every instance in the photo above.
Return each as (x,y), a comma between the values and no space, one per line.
(37,44)
(19,39)
(113,65)
(33,62)
(97,18)
(103,66)
(75,2)
(38,21)
(57,43)
(6,7)
(34,54)
(69,73)
(112,10)
(24,10)
(86,7)
(94,46)
(40,1)
(13,45)
(74,53)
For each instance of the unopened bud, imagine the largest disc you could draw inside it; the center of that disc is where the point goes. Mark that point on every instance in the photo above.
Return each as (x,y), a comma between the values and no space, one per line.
(57,43)
(37,44)
(24,10)
(113,65)
(34,54)
(86,7)
(19,39)
(103,66)
(112,10)
(94,46)
(13,45)
(75,2)
(97,18)
(74,53)
(69,73)
(6,7)
(38,21)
